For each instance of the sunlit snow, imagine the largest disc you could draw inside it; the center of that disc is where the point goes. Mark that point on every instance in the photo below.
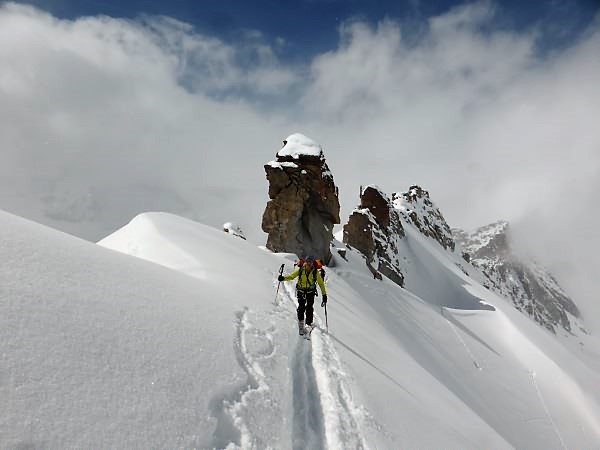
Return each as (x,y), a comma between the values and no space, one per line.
(178,340)
(297,145)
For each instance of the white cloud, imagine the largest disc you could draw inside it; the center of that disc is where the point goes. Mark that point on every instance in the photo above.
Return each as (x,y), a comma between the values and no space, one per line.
(102,118)
(478,117)
(97,124)
(210,66)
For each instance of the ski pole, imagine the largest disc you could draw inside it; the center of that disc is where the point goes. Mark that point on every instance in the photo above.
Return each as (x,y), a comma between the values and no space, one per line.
(278,284)
(326,324)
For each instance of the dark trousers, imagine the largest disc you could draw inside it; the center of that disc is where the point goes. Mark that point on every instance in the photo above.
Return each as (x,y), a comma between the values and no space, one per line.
(305,303)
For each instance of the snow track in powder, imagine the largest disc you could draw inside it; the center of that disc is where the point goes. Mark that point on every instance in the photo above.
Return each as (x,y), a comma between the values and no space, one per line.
(322,397)
(308,430)
(263,400)
(314,409)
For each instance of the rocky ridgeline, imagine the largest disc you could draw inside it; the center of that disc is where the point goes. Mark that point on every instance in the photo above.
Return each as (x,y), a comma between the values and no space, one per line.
(531,288)
(303,205)
(418,209)
(375,229)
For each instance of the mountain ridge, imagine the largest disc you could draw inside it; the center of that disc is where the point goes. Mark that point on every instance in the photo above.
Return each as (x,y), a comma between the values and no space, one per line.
(377,227)
(530,287)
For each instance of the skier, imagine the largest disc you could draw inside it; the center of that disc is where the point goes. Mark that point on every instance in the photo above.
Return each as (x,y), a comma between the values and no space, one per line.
(306,289)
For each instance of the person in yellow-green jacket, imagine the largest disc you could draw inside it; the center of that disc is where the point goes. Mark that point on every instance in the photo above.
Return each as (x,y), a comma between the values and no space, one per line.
(306,288)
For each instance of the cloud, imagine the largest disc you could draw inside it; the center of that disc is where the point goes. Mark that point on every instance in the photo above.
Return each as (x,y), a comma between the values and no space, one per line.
(210,66)
(475,114)
(102,118)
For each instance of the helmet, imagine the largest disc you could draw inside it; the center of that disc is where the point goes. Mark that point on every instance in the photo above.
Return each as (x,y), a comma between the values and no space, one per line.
(309,259)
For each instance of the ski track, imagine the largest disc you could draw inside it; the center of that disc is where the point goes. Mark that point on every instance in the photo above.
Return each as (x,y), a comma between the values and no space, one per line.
(532,374)
(307,431)
(311,408)
(462,341)
(323,391)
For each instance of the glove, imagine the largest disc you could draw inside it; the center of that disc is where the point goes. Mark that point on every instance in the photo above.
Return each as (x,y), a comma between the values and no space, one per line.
(324,302)
(280,278)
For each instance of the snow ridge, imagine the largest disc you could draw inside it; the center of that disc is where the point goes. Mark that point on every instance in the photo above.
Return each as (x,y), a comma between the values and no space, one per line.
(104,350)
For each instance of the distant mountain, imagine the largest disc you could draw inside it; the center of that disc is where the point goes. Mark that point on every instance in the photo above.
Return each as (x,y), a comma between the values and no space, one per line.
(377,228)
(532,289)
(418,209)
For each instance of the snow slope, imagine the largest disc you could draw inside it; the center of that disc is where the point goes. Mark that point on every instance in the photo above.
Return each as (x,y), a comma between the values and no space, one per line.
(103,350)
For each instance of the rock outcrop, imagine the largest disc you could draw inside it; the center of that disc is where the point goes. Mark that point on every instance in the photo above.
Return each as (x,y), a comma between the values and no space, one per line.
(374,229)
(418,209)
(303,205)
(530,287)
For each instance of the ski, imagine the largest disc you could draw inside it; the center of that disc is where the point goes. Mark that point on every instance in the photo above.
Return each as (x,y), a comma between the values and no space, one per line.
(307,331)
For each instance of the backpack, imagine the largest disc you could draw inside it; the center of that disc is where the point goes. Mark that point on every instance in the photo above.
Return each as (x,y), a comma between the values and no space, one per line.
(317,265)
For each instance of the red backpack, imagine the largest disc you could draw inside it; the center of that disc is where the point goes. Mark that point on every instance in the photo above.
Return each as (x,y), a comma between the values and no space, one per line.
(317,265)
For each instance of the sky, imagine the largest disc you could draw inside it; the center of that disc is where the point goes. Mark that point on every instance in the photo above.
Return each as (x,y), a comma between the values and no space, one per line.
(101,349)
(311,26)
(108,110)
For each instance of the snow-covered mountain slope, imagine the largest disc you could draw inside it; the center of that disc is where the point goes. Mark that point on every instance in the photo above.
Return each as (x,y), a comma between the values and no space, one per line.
(417,208)
(530,287)
(102,350)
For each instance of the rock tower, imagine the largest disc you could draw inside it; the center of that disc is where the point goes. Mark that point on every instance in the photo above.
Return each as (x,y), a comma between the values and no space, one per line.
(303,205)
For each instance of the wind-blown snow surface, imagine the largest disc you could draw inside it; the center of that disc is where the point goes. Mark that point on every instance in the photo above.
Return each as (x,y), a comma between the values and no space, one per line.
(99,349)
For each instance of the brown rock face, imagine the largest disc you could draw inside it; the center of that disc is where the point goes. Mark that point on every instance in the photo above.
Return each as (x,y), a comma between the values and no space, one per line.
(358,233)
(374,201)
(303,205)
(375,229)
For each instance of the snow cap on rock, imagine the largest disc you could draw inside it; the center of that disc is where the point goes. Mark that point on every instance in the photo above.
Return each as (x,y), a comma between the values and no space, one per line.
(296,145)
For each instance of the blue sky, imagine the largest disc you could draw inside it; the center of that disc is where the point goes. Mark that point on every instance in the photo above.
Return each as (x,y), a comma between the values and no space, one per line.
(309,27)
